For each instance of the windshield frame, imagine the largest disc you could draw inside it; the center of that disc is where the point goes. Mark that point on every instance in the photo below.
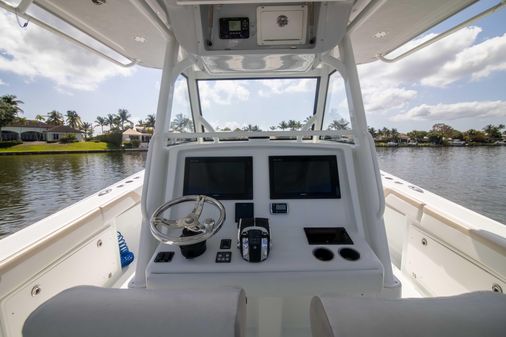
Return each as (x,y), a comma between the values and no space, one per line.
(257,78)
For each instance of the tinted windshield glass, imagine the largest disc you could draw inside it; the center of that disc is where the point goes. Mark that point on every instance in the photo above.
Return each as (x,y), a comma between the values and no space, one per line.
(267,104)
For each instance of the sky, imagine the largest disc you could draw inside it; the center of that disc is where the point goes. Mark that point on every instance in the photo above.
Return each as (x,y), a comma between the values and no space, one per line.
(460,80)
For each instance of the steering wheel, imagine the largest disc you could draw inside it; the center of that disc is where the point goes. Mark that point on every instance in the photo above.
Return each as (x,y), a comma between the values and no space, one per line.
(161,227)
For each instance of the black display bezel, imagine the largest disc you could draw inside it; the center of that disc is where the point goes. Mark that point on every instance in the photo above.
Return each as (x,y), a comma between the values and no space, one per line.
(335,192)
(327,236)
(226,33)
(248,177)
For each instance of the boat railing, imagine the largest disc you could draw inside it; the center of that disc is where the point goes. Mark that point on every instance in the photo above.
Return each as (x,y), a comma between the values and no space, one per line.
(345,136)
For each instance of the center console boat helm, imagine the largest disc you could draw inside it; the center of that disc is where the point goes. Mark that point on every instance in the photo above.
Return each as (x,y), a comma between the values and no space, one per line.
(284,215)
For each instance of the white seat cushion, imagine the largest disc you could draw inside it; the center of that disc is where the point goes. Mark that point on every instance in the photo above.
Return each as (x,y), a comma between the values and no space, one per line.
(480,314)
(92,312)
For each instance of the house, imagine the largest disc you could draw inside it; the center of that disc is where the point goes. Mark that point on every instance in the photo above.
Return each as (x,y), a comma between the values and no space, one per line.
(58,132)
(136,133)
(25,130)
(28,130)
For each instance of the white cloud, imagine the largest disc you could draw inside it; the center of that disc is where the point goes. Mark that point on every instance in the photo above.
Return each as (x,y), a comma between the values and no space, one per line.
(278,86)
(223,92)
(35,53)
(376,98)
(2,82)
(180,91)
(476,109)
(475,62)
(389,86)
(422,64)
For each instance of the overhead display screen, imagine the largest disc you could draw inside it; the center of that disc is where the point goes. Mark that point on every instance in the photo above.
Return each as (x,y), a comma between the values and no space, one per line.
(225,178)
(304,177)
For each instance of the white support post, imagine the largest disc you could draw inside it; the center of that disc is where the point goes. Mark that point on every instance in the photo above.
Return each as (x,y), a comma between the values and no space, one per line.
(156,164)
(372,199)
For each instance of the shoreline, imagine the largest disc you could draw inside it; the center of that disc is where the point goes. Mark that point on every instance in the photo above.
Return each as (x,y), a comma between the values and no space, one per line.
(440,145)
(377,145)
(22,153)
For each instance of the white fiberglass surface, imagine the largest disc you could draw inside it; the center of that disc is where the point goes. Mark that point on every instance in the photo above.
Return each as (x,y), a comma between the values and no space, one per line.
(258,104)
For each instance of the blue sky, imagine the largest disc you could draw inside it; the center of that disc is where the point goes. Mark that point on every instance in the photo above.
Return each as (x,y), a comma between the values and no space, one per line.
(460,81)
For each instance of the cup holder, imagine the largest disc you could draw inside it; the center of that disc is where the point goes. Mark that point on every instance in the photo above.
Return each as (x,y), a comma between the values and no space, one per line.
(349,254)
(323,254)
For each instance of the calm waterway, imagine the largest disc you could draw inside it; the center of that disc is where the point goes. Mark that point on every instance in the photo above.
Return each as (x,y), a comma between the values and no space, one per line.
(474,177)
(35,186)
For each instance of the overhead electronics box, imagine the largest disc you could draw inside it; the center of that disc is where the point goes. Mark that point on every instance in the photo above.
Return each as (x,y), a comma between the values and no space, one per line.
(244,34)
(280,25)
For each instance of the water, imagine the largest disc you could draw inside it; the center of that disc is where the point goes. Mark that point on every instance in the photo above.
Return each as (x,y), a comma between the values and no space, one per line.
(35,186)
(474,177)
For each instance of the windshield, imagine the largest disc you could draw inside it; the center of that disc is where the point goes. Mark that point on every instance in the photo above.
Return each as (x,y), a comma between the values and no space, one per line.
(257,104)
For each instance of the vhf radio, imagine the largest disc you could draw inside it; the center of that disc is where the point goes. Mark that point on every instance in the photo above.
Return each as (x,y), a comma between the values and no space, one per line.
(254,239)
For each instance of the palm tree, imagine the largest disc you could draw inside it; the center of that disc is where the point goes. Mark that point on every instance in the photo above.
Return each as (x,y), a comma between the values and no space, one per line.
(40,118)
(87,127)
(493,132)
(73,119)
(294,125)
(13,102)
(150,121)
(101,121)
(116,123)
(124,117)
(109,120)
(373,132)
(140,122)
(251,128)
(9,109)
(181,123)
(385,132)
(395,134)
(283,125)
(54,118)
(341,124)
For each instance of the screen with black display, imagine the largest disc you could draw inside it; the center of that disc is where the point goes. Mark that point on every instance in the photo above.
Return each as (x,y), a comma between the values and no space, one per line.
(304,177)
(223,178)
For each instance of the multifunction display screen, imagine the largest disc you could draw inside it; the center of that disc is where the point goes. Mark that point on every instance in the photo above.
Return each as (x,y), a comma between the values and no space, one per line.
(234,28)
(226,178)
(304,177)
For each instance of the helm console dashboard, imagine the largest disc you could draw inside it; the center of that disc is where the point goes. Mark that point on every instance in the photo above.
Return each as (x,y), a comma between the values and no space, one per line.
(293,221)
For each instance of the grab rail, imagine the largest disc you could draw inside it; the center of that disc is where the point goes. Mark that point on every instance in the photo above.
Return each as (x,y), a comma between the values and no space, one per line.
(379,184)
(257,134)
(444,34)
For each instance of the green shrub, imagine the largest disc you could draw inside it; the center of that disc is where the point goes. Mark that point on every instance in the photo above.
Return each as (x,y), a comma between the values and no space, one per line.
(135,143)
(113,138)
(70,138)
(9,143)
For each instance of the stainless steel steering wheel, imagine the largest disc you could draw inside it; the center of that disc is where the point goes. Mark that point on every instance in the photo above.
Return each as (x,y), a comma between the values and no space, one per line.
(161,227)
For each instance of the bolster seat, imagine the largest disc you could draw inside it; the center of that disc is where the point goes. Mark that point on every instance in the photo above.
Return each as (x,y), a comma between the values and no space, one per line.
(479,314)
(92,312)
